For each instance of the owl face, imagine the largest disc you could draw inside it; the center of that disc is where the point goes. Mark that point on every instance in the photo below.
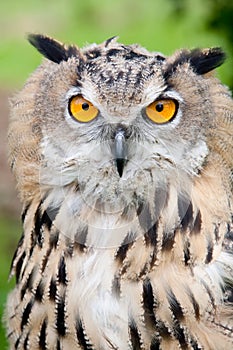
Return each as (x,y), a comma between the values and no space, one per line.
(119,121)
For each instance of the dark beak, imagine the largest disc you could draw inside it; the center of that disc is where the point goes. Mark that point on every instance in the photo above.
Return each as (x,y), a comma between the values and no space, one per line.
(120,149)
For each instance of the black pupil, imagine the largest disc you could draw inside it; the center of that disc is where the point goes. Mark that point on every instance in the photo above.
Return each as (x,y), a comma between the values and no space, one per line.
(85,106)
(159,107)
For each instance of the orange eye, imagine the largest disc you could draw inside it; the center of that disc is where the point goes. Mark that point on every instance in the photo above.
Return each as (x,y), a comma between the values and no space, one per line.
(81,109)
(162,111)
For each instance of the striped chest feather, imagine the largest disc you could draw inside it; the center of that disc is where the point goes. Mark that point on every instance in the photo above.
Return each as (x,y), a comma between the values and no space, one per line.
(133,280)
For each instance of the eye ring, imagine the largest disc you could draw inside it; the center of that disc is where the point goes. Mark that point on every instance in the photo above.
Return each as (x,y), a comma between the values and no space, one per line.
(82,110)
(162,111)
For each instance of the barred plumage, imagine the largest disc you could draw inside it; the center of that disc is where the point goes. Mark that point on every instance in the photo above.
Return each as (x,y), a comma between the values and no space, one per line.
(126,222)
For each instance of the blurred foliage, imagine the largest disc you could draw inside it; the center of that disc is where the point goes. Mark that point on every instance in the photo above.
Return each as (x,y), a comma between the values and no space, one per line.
(221,16)
(159,25)
(218,19)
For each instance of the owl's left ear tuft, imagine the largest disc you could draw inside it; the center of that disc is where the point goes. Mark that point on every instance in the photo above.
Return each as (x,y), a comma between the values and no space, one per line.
(204,61)
(52,49)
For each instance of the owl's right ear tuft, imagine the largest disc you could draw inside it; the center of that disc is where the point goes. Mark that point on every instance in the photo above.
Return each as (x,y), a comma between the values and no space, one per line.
(52,49)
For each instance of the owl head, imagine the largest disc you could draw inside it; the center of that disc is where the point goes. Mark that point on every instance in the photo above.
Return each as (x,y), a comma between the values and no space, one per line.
(118,124)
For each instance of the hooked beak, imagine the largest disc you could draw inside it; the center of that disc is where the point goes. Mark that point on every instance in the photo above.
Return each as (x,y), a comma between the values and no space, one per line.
(120,151)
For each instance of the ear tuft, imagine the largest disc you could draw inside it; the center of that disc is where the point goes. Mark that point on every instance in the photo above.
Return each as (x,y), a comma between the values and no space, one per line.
(204,61)
(52,49)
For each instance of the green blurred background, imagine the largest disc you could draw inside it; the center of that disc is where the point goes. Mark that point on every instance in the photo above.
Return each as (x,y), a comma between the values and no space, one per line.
(159,25)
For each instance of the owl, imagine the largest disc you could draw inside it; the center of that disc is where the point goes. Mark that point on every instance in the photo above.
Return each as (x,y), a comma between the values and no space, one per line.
(123,162)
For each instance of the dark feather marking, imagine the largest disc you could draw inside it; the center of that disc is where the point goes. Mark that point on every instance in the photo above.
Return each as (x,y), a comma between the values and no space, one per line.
(153,257)
(69,249)
(19,266)
(151,237)
(144,270)
(187,255)
(108,41)
(26,314)
(45,259)
(113,52)
(195,304)
(24,213)
(207,288)
(38,228)
(132,96)
(128,75)
(45,219)
(60,319)
(127,210)
(39,291)
(82,337)
(71,51)
(185,209)
(168,241)
(180,336)
(216,232)
(194,344)
(42,335)
(81,67)
(139,210)
(210,249)
(175,306)
(202,61)
(155,343)
(134,336)
(160,58)
(120,75)
(197,224)
(124,247)
(125,267)
(58,345)
(20,243)
(148,302)
(49,216)
(9,334)
(110,80)
(26,342)
(132,55)
(17,342)
(163,330)
(116,286)
(228,239)
(79,84)
(52,289)
(62,271)
(32,246)
(53,239)
(52,49)
(147,223)
(28,284)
